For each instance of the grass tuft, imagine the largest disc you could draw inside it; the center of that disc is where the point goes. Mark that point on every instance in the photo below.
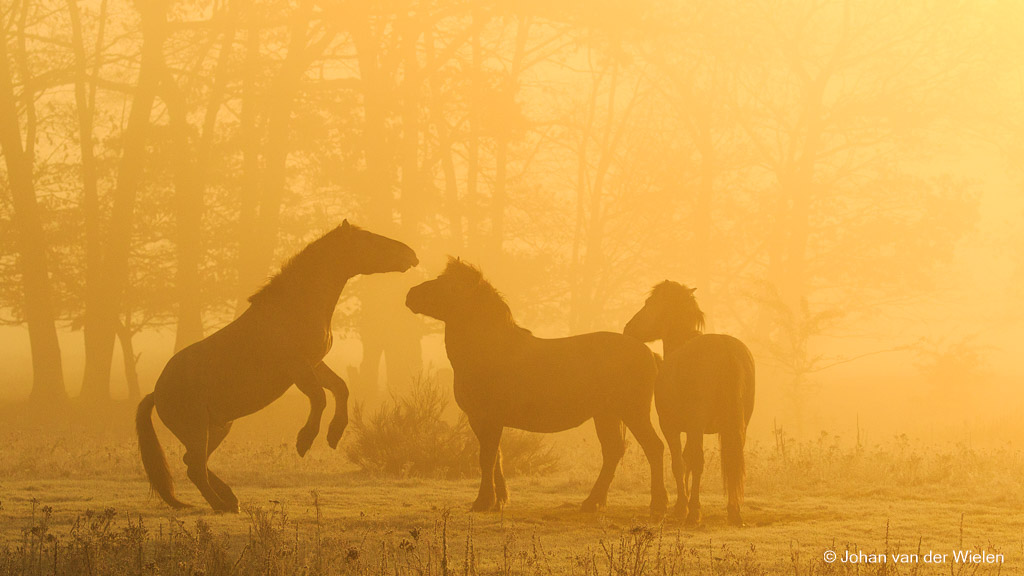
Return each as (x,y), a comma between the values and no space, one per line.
(412,436)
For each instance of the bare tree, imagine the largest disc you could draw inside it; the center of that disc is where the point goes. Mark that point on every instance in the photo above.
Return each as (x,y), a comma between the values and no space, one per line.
(102,314)
(19,156)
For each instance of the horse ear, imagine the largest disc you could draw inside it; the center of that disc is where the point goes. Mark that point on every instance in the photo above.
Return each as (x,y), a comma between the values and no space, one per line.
(345,224)
(692,290)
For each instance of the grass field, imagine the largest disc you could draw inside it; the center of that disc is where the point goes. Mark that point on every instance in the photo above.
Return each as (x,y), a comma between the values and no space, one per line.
(76,502)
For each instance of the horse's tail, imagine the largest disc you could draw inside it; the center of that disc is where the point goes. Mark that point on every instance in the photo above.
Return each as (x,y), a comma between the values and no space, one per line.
(739,387)
(733,465)
(153,459)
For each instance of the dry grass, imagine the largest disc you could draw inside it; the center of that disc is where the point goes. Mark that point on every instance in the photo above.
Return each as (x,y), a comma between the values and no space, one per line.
(75,502)
(417,435)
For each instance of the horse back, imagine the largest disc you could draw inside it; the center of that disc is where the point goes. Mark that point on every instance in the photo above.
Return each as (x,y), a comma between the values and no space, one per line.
(707,384)
(546,385)
(595,361)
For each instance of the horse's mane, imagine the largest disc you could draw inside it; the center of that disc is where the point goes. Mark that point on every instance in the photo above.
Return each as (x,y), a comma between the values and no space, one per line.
(681,297)
(487,301)
(308,262)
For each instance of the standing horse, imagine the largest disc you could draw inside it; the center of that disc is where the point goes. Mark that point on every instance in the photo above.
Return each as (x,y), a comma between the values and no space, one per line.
(705,386)
(278,341)
(505,376)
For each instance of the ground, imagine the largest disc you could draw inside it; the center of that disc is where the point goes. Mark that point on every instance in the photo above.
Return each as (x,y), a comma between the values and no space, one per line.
(80,503)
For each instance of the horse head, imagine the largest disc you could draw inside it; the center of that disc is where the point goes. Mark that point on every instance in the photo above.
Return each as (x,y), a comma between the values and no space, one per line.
(369,253)
(671,307)
(460,292)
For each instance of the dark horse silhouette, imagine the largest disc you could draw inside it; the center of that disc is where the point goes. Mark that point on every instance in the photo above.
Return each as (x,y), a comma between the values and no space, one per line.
(279,340)
(505,376)
(705,386)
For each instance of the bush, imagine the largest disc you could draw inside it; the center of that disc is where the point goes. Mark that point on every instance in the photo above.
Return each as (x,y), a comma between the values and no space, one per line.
(410,436)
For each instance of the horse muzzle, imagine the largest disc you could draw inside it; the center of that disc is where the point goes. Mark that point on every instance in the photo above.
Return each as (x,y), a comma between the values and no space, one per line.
(411,261)
(412,301)
(633,329)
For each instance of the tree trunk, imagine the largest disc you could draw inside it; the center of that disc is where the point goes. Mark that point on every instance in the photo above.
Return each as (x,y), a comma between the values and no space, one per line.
(248,277)
(788,243)
(188,215)
(278,146)
(130,360)
(593,237)
(476,85)
(445,154)
(90,190)
(376,91)
(385,334)
(403,352)
(190,183)
(704,247)
(101,319)
(412,194)
(47,367)
(499,195)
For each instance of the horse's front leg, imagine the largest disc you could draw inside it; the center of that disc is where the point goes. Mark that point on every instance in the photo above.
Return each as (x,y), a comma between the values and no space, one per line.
(694,455)
(331,381)
(310,386)
(489,436)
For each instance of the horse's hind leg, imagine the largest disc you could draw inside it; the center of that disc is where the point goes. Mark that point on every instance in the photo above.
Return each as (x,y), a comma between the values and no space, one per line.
(339,389)
(675,448)
(500,488)
(196,441)
(654,450)
(694,456)
(309,385)
(217,436)
(613,446)
(732,472)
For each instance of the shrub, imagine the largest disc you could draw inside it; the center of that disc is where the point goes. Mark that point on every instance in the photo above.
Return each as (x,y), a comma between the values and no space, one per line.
(410,435)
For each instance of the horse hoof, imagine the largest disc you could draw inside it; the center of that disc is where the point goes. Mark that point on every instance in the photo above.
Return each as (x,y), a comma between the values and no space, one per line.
(590,506)
(304,442)
(735,521)
(484,506)
(334,434)
(679,511)
(332,440)
(659,507)
(693,519)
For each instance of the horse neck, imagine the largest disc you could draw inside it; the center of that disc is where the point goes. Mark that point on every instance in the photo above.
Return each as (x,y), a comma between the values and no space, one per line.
(675,339)
(314,301)
(476,341)
(325,300)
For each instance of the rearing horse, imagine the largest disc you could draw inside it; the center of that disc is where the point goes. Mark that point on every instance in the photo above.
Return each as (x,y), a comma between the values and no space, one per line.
(705,386)
(507,377)
(278,341)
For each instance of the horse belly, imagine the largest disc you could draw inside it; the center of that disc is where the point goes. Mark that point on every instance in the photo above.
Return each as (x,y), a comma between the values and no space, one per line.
(522,404)
(227,405)
(545,421)
(240,385)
